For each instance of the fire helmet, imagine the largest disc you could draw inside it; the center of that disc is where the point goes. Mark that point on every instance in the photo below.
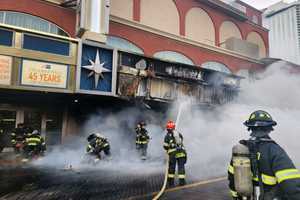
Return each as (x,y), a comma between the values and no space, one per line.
(99,135)
(260,118)
(35,133)
(91,137)
(142,123)
(170,125)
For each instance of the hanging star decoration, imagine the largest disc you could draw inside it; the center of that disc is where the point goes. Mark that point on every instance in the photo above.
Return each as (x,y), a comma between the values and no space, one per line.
(97,69)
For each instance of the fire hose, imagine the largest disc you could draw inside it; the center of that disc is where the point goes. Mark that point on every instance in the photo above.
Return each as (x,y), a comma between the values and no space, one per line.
(162,190)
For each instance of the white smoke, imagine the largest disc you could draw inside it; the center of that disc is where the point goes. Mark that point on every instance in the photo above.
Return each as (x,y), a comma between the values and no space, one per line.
(119,129)
(209,134)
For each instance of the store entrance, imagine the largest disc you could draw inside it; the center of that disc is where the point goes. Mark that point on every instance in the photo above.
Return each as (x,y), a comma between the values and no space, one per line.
(7,124)
(33,119)
(47,122)
(53,128)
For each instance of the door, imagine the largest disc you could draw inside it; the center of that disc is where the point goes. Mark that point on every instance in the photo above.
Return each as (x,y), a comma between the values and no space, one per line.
(7,123)
(33,119)
(53,128)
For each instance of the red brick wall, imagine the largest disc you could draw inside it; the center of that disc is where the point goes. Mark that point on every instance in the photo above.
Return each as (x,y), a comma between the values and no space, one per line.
(252,11)
(217,17)
(62,17)
(152,43)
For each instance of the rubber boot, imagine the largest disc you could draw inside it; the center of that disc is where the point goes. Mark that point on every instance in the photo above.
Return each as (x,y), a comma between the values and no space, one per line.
(182,182)
(171,182)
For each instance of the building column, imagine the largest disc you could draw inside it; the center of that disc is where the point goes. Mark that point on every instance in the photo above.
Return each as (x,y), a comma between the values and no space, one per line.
(64,131)
(137,10)
(19,116)
(44,124)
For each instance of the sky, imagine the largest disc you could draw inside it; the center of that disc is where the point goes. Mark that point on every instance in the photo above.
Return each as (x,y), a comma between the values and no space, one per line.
(260,4)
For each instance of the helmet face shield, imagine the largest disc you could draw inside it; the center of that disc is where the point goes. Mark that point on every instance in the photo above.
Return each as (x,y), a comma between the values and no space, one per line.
(260,119)
(259,123)
(35,132)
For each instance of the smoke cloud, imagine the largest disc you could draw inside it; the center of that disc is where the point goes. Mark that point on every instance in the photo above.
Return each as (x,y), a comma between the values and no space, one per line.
(119,129)
(209,134)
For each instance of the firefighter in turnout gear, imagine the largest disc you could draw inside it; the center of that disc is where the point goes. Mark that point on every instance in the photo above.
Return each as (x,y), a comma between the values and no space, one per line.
(173,144)
(18,138)
(273,174)
(97,144)
(142,139)
(34,145)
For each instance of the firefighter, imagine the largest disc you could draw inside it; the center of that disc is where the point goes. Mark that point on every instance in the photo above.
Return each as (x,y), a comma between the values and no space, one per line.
(142,139)
(97,144)
(34,145)
(273,174)
(173,144)
(18,137)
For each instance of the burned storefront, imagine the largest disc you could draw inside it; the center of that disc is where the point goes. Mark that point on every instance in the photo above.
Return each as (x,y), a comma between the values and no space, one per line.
(110,80)
(151,79)
(55,89)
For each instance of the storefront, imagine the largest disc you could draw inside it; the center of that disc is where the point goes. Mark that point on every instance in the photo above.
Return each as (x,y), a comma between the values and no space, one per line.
(46,119)
(37,78)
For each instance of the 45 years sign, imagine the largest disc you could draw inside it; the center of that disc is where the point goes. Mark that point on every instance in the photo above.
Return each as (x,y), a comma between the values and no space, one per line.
(44,74)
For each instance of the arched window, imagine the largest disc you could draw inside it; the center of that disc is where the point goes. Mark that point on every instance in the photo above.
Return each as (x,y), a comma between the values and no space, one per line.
(216,66)
(123,44)
(123,8)
(228,30)
(160,14)
(196,19)
(255,38)
(173,57)
(30,22)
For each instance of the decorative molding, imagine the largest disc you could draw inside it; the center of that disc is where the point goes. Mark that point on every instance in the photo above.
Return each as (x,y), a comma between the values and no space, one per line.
(97,37)
(37,32)
(58,2)
(257,26)
(24,53)
(183,39)
(40,89)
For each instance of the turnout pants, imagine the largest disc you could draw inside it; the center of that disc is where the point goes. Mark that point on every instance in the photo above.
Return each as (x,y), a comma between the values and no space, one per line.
(32,150)
(106,150)
(143,150)
(180,162)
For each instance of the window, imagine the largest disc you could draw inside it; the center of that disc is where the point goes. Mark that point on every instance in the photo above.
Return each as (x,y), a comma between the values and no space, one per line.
(173,57)
(255,19)
(216,66)
(123,44)
(30,22)
(33,119)
(53,128)
(46,45)
(6,37)
(7,123)
(1,17)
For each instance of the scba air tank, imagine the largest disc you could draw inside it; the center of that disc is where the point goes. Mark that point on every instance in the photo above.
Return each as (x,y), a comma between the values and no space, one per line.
(242,170)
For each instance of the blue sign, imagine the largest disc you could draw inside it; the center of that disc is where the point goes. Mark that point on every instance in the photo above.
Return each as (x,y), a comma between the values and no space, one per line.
(96,69)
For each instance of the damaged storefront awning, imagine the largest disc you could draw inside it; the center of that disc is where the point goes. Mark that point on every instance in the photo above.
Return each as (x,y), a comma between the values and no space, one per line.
(158,80)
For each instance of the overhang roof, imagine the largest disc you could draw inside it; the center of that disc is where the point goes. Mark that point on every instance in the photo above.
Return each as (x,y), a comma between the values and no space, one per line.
(226,8)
